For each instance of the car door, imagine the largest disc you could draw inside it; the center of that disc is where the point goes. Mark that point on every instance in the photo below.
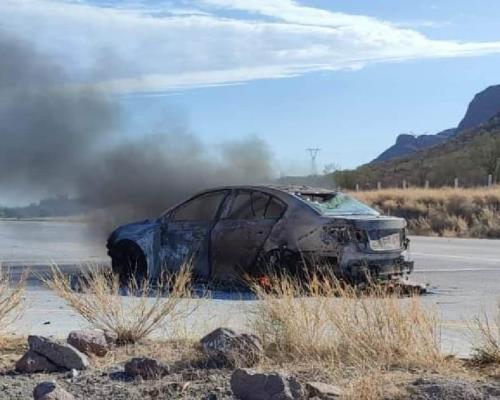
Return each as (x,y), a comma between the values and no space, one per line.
(185,236)
(241,232)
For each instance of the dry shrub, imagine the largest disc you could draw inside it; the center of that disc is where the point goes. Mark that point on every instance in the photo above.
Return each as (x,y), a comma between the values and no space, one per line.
(472,212)
(486,338)
(323,320)
(100,300)
(11,298)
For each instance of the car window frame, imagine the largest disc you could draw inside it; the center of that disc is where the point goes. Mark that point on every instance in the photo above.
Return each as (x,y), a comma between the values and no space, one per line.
(227,214)
(170,214)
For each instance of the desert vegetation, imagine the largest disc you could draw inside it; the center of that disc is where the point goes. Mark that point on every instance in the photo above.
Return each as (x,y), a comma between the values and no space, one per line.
(351,336)
(486,337)
(131,313)
(11,299)
(473,212)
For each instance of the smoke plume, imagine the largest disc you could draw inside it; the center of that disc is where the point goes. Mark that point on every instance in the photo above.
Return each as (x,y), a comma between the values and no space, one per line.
(55,139)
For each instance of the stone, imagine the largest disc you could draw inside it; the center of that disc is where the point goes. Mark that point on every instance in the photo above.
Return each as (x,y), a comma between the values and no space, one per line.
(226,347)
(62,355)
(51,391)
(33,362)
(247,384)
(322,391)
(444,389)
(146,368)
(90,342)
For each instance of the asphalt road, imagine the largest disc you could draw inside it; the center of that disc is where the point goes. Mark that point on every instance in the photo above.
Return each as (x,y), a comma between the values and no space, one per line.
(463,277)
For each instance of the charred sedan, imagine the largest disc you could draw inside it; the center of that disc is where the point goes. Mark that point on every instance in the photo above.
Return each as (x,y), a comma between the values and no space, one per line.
(230,231)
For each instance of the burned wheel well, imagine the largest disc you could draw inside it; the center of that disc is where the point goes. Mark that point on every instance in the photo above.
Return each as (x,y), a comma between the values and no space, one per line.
(128,260)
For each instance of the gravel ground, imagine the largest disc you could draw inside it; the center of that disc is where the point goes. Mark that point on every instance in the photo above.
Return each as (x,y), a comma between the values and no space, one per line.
(114,384)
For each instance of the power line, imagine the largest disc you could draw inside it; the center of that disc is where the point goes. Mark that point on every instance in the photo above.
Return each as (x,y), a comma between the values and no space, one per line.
(313,152)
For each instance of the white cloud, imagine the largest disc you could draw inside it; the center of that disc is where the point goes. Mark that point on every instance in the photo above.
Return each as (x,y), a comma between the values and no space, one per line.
(135,48)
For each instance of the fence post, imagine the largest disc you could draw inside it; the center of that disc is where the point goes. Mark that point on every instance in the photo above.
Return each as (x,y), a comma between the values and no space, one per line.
(404,183)
(490,180)
(427,184)
(357,187)
(379,185)
(456,183)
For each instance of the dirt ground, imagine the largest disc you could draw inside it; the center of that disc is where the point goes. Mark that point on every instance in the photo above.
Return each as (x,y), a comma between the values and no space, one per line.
(192,377)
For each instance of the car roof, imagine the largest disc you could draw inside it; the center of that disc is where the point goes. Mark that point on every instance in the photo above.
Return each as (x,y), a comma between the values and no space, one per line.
(281,191)
(285,193)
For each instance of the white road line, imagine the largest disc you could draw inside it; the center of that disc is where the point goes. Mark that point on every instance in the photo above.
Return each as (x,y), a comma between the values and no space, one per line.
(465,258)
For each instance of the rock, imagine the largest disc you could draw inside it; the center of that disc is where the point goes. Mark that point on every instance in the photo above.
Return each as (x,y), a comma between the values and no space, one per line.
(62,355)
(248,384)
(33,362)
(51,391)
(89,342)
(322,391)
(72,374)
(111,338)
(444,389)
(146,368)
(226,347)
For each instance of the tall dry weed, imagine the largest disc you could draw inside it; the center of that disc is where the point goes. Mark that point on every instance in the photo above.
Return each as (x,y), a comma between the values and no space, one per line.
(324,320)
(11,298)
(131,313)
(486,337)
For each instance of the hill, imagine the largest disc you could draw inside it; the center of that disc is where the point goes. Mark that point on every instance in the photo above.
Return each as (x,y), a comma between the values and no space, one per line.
(483,107)
(470,156)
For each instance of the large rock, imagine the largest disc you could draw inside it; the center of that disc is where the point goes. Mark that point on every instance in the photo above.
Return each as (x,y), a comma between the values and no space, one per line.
(146,368)
(225,346)
(248,384)
(445,389)
(51,391)
(33,362)
(322,391)
(90,342)
(62,355)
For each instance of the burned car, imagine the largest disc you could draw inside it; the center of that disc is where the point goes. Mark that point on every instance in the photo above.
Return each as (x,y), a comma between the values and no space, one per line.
(228,232)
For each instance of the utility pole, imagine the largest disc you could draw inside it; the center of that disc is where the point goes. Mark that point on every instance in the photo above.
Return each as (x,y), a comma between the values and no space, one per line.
(313,152)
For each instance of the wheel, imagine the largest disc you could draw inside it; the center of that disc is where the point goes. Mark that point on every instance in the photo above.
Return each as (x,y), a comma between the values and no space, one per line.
(129,263)
(280,262)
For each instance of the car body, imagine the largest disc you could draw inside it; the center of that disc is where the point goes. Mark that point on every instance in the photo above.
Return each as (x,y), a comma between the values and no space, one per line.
(227,232)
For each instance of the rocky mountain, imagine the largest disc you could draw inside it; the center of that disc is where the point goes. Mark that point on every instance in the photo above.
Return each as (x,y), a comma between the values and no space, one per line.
(469,156)
(484,106)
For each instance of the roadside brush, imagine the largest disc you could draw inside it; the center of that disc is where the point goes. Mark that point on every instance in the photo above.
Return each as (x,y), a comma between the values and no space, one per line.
(132,312)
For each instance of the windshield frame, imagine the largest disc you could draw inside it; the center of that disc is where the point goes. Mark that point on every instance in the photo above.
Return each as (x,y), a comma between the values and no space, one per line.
(370,212)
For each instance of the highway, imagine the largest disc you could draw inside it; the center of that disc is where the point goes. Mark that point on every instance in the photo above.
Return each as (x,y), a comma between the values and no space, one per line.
(463,277)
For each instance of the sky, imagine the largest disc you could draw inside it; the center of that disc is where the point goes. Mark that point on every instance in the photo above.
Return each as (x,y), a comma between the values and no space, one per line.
(340,75)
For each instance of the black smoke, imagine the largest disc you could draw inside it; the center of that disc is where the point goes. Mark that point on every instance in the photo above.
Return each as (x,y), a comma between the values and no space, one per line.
(57,138)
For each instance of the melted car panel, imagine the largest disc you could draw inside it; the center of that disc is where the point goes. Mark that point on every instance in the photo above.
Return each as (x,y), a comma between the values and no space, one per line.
(231,231)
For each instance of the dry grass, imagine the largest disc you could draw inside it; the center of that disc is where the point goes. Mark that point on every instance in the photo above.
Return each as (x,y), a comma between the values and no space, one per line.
(324,322)
(132,317)
(168,351)
(486,338)
(448,212)
(11,299)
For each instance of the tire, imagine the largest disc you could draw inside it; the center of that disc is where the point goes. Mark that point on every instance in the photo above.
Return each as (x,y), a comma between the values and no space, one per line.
(129,263)
(280,262)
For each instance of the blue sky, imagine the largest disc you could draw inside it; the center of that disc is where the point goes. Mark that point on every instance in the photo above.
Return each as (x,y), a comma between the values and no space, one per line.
(345,76)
